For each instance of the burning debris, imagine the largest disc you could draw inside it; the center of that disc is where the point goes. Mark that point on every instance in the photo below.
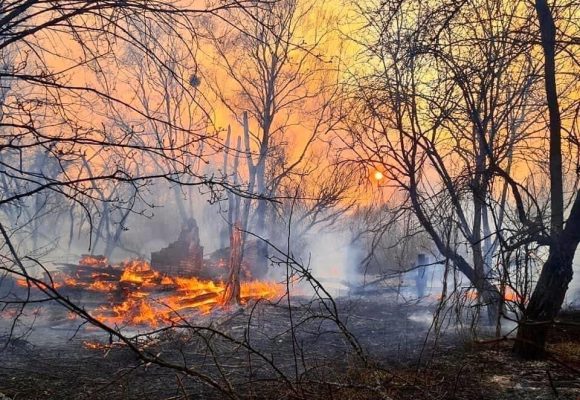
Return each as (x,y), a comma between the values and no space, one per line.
(133,293)
(179,283)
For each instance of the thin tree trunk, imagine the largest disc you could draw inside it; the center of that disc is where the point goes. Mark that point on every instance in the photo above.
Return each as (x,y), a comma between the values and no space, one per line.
(114,241)
(237,233)
(223,237)
(232,293)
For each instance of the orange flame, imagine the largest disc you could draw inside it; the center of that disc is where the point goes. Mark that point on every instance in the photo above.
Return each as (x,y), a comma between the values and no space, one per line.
(140,296)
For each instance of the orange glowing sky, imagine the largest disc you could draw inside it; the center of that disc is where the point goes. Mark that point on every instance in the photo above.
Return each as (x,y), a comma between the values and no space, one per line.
(334,19)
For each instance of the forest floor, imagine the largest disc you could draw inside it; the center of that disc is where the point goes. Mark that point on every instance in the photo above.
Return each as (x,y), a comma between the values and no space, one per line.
(406,359)
(489,370)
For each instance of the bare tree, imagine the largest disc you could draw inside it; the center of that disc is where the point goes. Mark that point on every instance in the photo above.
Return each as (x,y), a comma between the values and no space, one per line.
(548,296)
(108,148)
(453,116)
(439,119)
(283,94)
(74,140)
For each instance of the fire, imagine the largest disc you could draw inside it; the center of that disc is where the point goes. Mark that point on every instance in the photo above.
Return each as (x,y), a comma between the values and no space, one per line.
(509,294)
(135,294)
(93,345)
(196,285)
(89,260)
(259,289)
(140,272)
(140,312)
(100,286)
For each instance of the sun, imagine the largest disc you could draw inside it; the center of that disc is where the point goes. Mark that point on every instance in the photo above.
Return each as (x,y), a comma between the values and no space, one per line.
(378,175)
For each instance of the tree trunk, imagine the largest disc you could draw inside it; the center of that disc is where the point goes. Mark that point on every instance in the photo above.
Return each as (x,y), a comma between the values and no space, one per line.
(557,272)
(232,295)
(550,290)
(548,40)
(545,304)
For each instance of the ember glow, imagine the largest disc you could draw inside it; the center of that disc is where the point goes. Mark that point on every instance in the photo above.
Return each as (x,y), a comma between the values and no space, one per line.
(509,295)
(133,294)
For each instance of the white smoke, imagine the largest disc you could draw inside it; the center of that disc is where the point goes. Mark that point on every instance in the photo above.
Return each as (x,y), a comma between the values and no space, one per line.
(334,261)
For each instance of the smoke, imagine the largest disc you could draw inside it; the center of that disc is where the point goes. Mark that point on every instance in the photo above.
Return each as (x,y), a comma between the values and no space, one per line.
(154,222)
(334,260)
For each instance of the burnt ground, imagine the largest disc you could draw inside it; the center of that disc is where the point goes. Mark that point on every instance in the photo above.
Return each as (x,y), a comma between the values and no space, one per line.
(403,361)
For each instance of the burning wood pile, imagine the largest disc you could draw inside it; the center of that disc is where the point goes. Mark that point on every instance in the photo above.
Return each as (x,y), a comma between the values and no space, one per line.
(179,284)
(132,293)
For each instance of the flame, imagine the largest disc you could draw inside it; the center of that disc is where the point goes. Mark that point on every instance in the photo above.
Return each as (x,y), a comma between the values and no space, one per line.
(509,294)
(94,345)
(22,282)
(135,294)
(512,295)
(25,283)
(139,271)
(101,286)
(88,260)
(167,281)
